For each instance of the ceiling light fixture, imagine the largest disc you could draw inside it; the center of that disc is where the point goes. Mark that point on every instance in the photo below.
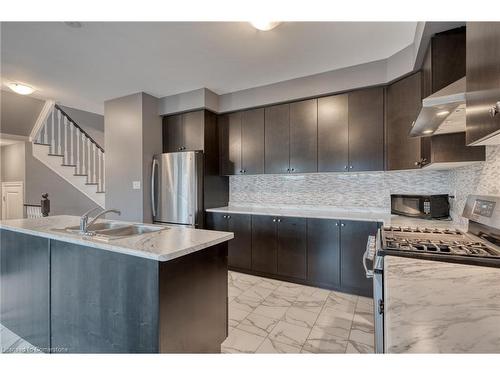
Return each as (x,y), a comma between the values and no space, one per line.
(74,24)
(21,89)
(264,25)
(428,131)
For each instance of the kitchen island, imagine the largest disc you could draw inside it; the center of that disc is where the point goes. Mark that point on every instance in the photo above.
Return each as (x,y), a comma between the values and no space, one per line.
(158,292)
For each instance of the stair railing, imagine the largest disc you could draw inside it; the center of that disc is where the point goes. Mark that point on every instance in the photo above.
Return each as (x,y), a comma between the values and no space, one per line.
(74,145)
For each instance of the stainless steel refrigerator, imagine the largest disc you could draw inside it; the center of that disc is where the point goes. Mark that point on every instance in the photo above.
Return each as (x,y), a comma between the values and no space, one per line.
(176,188)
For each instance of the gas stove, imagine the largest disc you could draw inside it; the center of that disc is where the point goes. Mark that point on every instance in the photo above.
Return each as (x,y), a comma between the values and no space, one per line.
(434,241)
(479,245)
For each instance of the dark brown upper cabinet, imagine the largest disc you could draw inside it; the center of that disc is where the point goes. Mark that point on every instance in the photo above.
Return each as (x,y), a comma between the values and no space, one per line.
(450,148)
(184,131)
(252,141)
(403,102)
(277,139)
(242,142)
(304,136)
(333,134)
(483,82)
(366,130)
(444,62)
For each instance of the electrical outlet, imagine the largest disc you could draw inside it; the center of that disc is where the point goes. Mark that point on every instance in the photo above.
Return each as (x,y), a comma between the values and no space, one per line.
(136,185)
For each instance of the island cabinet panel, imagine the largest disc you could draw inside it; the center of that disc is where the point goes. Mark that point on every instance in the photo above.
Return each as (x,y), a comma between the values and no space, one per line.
(252,141)
(264,244)
(353,239)
(240,247)
(366,130)
(333,133)
(291,247)
(277,139)
(304,136)
(403,103)
(230,143)
(323,252)
(483,80)
(193,299)
(24,287)
(102,302)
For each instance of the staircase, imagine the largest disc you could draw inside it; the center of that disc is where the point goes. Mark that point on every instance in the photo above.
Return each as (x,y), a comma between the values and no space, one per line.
(65,148)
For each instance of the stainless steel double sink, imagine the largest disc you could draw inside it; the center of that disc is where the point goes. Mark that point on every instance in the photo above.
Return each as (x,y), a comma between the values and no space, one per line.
(110,230)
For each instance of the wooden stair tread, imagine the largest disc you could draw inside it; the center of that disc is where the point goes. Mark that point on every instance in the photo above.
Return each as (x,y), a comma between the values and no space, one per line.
(55,155)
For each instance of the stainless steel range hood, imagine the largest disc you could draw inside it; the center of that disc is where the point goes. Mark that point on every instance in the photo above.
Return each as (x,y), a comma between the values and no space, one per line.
(442,112)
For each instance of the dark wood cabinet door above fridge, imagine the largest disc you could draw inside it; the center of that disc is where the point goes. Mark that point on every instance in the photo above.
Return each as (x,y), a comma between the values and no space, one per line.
(264,244)
(323,252)
(304,136)
(366,130)
(193,132)
(291,254)
(277,139)
(333,134)
(230,143)
(172,133)
(252,141)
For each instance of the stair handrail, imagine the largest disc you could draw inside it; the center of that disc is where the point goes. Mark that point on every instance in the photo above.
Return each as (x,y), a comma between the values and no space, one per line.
(76,125)
(41,120)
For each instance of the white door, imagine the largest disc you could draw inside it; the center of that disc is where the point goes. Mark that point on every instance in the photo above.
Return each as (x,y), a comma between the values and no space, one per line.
(12,200)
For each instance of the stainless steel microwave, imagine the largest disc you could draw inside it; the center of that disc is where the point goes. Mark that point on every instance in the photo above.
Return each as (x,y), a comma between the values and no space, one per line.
(421,206)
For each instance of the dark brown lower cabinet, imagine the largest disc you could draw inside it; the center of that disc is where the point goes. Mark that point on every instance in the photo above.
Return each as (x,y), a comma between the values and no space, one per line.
(264,241)
(240,247)
(291,240)
(353,239)
(323,252)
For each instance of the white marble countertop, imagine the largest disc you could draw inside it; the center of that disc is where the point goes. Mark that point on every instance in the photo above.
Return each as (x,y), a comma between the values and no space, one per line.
(325,212)
(170,243)
(439,307)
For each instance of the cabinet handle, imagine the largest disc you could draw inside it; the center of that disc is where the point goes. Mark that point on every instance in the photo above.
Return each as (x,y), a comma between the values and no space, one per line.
(293,169)
(229,216)
(336,224)
(345,166)
(288,170)
(350,167)
(279,220)
(342,225)
(494,110)
(274,220)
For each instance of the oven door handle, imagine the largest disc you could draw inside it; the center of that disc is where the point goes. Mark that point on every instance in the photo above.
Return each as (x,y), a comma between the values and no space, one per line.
(370,244)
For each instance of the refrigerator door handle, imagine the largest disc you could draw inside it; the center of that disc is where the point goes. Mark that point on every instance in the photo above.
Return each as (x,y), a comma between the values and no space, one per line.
(153,180)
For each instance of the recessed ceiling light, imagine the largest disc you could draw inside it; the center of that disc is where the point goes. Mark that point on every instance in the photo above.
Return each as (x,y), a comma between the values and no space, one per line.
(74,24)
(21,89)
(264,25)
(428,131)
(442,113)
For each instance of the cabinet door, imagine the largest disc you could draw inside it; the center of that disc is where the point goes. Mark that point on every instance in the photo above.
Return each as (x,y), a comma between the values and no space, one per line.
(230,143)
(172,133)
(304,136)
(323,251)
(404,101)
(193,130)
(483,79)
(366,130)
(333,140)
(277,139)
(216,221)
(240,248)
(292,247)
(264,244)
(252,141)
(353,239)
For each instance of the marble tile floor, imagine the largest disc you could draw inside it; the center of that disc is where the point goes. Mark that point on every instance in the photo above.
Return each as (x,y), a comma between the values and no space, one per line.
(271,316)
(12,343)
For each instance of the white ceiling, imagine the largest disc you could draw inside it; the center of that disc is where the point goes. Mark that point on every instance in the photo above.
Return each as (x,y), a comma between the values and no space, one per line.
(83,67)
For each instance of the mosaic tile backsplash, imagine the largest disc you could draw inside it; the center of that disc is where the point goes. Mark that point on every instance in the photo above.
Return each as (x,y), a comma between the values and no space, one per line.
(368,189)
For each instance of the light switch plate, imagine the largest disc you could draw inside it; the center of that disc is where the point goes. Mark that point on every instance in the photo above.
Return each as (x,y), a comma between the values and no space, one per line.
(136,185)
